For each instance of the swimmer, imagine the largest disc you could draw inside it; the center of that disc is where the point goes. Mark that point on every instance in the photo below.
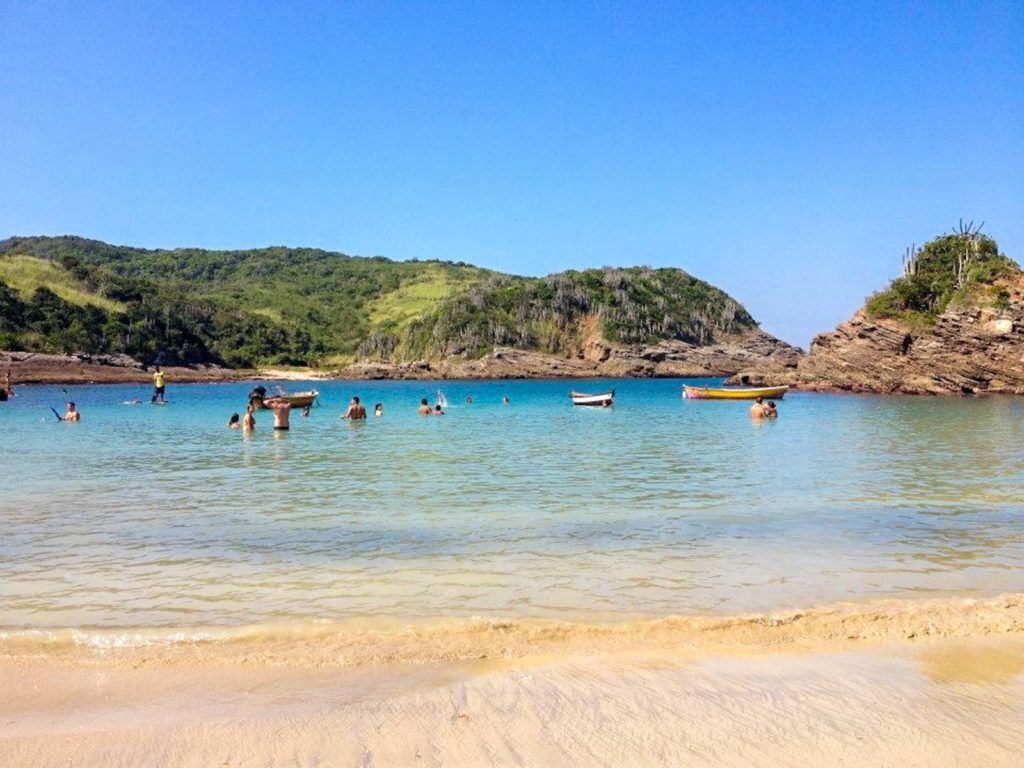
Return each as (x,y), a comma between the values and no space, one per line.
(234,422)
(424,409)
(772,412)
(505,400)
(378,409)
(305,411)
(356,410)
(72,414)
(469,401)
(438,411)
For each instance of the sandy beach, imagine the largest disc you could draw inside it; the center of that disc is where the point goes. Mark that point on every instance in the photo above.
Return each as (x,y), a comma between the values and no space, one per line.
(932,683)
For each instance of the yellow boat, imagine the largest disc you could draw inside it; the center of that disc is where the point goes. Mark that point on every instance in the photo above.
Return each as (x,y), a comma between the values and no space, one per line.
(734,393)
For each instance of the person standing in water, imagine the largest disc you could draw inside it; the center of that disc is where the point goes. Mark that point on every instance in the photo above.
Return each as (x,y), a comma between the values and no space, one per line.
(771,411)
(424,409)
(249,422)
(233,422)
(282,410)
(73,414)
(378,409)
(158,386)
(356,410)
(758,410)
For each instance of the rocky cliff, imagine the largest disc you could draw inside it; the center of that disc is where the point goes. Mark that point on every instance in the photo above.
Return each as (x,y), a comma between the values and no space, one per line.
(975,345)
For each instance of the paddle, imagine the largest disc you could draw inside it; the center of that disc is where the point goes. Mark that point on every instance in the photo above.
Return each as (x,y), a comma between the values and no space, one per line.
(59,417)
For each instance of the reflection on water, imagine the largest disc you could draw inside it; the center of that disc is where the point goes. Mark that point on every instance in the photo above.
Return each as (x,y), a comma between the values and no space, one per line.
(163,516)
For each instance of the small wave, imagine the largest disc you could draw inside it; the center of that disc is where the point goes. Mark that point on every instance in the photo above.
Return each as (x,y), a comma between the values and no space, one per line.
(376,641)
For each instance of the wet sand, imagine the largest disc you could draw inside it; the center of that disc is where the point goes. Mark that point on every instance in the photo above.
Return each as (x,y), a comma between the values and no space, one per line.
(949,696)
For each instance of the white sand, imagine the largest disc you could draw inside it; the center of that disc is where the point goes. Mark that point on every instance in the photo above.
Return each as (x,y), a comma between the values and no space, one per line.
(951,702)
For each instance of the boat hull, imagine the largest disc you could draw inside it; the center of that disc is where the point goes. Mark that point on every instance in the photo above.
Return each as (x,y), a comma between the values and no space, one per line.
(734,393)
(602,400)
(298,400)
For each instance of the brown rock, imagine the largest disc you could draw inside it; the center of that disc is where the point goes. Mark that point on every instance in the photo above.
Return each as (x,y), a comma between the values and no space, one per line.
(970,349)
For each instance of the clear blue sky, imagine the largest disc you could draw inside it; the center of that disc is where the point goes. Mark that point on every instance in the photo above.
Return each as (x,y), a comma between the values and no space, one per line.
(787,152)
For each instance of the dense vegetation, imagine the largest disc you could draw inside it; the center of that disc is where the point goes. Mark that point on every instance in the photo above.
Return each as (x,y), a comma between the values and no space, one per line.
(947,270)
(307,306)
(636,305)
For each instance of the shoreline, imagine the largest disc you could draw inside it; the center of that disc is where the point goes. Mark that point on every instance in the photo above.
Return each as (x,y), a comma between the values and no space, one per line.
(372,641)
(30,369)
(666,361)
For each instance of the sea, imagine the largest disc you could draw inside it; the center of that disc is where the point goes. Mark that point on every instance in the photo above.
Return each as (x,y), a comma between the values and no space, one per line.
(153,518)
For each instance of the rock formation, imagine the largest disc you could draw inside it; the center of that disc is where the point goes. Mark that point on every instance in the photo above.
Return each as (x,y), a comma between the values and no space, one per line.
(974,346)
(598,359)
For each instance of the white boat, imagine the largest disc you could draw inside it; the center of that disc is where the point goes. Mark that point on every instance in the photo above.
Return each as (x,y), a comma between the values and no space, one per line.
(603,400)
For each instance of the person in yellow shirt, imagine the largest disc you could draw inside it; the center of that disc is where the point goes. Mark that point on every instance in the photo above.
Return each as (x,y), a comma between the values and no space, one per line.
(158,386)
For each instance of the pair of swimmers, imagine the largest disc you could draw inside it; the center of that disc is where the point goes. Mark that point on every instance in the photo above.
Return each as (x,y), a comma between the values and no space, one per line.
(357,411)
(761,410)
(424,409)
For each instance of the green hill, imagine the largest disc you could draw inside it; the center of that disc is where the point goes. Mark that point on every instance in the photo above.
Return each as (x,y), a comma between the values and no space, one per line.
(312,307)
(949,270)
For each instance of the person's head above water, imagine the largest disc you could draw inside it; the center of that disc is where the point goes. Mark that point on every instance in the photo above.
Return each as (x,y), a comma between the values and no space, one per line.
(71,405)
(437,408)
(355,399)
(234,419)
(378,407)
(759,400)
(424,401)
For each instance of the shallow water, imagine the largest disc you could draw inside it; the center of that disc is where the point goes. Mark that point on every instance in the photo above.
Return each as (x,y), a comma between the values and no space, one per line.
(142,516)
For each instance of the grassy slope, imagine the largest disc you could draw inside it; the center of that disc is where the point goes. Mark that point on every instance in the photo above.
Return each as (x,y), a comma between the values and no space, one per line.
(435,284)
(27,273)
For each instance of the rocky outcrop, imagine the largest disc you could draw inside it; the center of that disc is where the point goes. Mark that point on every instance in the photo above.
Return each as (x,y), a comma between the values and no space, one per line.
(597,358)
(39,368)
(972,348)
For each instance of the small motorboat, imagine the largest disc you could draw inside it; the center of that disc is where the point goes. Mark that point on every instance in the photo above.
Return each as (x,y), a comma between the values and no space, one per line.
(302,399)
(295,399)
(734,393)
(603,400)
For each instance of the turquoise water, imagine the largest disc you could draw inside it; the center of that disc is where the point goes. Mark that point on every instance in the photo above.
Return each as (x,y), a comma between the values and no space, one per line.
(143,516)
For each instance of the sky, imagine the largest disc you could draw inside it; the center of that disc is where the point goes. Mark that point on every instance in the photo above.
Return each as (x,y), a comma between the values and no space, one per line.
(785,152)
